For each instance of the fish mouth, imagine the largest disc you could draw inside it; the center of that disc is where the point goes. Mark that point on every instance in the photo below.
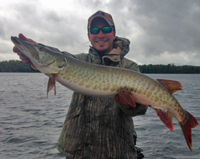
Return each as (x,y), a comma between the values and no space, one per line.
(40,57)
(17,42)
(30,51)
(23,46)
(14,40)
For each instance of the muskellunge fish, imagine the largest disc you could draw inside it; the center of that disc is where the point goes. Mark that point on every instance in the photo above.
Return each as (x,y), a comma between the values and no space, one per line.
(97,80)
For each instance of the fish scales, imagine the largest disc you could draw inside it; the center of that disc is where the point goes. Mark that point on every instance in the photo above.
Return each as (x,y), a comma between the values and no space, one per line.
(99,78)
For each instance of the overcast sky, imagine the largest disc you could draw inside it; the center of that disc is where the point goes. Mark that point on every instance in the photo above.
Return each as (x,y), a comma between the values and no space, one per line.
(160,31)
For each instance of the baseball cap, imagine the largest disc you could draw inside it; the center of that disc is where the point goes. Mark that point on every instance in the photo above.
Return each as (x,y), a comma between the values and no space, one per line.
(106,16)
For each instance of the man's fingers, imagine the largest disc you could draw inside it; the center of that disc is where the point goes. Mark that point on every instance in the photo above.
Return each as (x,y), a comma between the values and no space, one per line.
(15,49)
(21,36)
(21,55)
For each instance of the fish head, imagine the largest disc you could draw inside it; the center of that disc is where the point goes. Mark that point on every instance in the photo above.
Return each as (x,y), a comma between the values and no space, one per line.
(43,59)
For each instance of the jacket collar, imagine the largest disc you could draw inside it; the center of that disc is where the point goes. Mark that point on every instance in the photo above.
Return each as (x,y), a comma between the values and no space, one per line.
(120,49)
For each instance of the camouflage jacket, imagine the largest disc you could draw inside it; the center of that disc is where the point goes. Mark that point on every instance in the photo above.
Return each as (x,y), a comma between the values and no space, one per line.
(99,127)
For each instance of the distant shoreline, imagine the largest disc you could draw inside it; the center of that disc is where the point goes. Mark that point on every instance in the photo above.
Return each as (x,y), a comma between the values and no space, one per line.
(14,66)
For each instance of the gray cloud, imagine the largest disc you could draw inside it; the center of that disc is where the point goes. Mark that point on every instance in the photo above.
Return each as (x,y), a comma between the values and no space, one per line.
(159,31)
(170,26)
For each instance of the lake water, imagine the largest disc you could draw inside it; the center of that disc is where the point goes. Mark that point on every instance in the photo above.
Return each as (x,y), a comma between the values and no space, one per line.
(30,124)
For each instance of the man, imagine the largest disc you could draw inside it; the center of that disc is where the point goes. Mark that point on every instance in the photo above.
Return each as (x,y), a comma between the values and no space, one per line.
(99,127)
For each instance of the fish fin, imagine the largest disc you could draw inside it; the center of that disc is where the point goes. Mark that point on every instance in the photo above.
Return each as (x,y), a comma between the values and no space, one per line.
(125,98)
(166,117)
(51,84)
(172,86)
(187,126)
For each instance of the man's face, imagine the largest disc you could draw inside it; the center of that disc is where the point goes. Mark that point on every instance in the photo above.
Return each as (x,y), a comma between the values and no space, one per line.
(103,43)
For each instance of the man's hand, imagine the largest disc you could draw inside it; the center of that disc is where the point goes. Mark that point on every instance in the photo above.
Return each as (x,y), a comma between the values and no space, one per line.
(24,58)
(21,55)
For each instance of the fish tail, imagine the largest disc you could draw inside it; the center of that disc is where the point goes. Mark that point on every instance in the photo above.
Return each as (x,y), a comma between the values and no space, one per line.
(187,126)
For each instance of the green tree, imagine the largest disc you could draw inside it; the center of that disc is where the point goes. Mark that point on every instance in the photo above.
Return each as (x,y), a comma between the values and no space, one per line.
(15,66)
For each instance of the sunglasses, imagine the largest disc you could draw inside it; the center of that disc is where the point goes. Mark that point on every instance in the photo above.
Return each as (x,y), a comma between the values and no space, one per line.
(105,30)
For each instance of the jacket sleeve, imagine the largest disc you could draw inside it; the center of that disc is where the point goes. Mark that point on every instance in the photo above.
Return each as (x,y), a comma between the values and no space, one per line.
(139,109)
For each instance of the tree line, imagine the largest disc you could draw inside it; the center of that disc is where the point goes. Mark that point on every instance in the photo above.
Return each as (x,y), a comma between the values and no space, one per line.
(19,66)
(15,66)
(170,68)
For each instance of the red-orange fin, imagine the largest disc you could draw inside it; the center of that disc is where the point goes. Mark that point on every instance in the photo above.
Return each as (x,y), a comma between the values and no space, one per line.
(187,126)
(125,98)
(51,84)
(166,117)
(172,86)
